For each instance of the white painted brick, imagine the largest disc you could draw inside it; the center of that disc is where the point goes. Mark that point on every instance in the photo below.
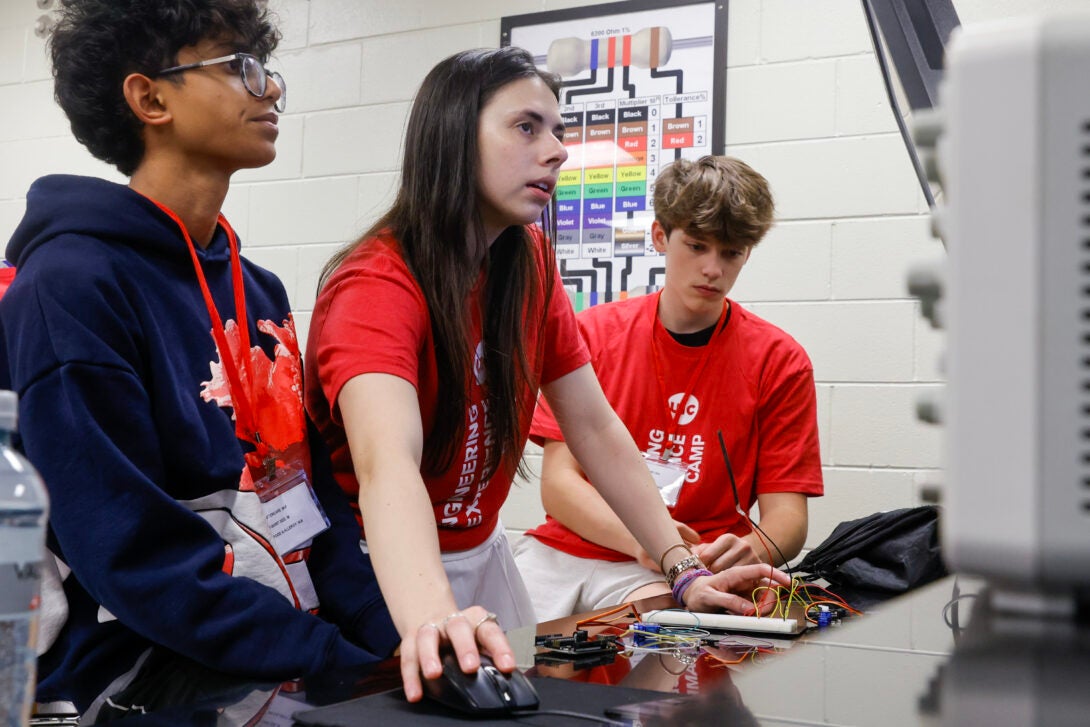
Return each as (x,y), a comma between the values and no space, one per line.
(523,509)
(282,262)
(19,14)
(298,213)
(302,328)
(851,672)
(871,258)
(441,14)
(36,63)
(855,493)
(326,77)
(312,258)
(490,33)
(927,633)
(791,263)
(11,213)
(12,48)
(849,177)
(801,703)
(357,141)
(880,670)
(930,351)
(854,342)
(565,4)
(877,426)
(394,65)
(289,154)
(862,106)
(25,161)
(377,192)
(896,633)
(31,112)
(236,208)
(335,20)
(824,415)
(743,33)
(794,29)
(292,18)
(781,102)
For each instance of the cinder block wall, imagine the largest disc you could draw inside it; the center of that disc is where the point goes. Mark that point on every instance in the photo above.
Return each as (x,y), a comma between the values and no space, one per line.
(805,106)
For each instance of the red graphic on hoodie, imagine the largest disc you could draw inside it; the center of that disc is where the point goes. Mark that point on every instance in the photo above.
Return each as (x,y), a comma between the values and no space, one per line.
(276,392)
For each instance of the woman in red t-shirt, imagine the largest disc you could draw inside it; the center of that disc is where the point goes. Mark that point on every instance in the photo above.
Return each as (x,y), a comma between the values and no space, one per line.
(430,339)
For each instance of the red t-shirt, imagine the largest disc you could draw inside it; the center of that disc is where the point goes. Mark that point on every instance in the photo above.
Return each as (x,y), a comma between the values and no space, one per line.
(757,387)
(371,317)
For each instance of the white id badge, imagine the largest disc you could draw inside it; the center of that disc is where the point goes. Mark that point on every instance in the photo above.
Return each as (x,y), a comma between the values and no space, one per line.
(669,477)
(292,510)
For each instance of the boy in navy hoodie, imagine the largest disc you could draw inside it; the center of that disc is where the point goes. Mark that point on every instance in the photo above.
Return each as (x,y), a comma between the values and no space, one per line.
(195,526)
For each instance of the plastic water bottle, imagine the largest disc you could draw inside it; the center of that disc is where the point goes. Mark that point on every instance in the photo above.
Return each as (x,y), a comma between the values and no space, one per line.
(23,511)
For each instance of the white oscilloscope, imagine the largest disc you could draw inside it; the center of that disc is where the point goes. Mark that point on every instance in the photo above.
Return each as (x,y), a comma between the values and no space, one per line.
(1011,136)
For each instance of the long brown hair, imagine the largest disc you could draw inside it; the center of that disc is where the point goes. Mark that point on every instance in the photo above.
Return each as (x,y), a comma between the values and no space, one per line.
(436,219)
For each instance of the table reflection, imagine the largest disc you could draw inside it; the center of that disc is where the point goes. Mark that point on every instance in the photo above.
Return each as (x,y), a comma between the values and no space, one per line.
(937,656)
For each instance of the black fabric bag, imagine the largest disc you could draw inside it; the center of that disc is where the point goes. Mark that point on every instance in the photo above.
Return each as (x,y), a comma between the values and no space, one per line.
(890,552)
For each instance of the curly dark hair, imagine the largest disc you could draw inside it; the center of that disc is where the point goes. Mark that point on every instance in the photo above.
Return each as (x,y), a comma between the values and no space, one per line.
(97,43)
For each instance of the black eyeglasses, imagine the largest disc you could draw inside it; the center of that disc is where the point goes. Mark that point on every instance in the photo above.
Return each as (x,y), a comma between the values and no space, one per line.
(254,75)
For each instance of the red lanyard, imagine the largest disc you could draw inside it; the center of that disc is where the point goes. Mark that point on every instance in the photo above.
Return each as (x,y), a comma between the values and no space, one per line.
(238,372)
(672,416)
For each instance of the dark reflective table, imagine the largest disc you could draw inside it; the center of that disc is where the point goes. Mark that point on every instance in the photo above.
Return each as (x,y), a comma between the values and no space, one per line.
(941,655)
(936,656)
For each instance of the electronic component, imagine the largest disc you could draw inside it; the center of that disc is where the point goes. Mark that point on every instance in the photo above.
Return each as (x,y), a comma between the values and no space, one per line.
(579,643)
(578,650)
(575,661)
(644,633)
(726,622)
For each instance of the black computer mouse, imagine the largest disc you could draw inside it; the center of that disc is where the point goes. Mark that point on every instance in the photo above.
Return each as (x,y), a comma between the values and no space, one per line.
(489,692)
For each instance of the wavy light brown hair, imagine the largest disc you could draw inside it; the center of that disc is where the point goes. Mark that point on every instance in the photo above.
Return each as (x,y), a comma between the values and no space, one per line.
(715,198)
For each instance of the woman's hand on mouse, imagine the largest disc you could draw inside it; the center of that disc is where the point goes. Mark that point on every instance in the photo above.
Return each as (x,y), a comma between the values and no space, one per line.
(468,631)
(732,589)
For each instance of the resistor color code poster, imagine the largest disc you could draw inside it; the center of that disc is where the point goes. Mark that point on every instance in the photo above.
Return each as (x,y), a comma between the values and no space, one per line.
(642,84)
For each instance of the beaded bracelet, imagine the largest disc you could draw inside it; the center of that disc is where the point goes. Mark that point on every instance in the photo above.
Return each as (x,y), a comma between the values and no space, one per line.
(687,575)
(685,581)
(662,560)
(681,566)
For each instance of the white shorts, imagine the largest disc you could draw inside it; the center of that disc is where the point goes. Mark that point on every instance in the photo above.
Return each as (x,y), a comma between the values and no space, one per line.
(486,576)
(562,584)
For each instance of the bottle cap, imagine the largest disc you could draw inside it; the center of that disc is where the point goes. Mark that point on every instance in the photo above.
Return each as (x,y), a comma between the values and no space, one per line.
(9,408)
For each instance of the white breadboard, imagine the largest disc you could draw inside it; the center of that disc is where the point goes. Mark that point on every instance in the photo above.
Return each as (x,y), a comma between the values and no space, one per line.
(725,622)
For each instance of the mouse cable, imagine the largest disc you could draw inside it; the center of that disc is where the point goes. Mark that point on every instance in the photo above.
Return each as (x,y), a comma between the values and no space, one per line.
(565,713)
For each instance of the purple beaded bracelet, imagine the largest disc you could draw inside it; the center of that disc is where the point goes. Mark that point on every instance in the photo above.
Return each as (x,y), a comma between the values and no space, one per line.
(685,580)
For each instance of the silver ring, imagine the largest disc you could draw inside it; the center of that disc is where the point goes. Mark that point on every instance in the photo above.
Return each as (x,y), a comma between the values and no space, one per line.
(487,617)
(456,614)
(435,626)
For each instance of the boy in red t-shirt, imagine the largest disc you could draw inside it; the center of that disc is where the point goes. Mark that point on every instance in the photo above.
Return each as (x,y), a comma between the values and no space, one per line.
(679,367)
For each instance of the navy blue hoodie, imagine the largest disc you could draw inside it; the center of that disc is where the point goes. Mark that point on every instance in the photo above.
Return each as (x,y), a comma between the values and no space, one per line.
(156,534)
